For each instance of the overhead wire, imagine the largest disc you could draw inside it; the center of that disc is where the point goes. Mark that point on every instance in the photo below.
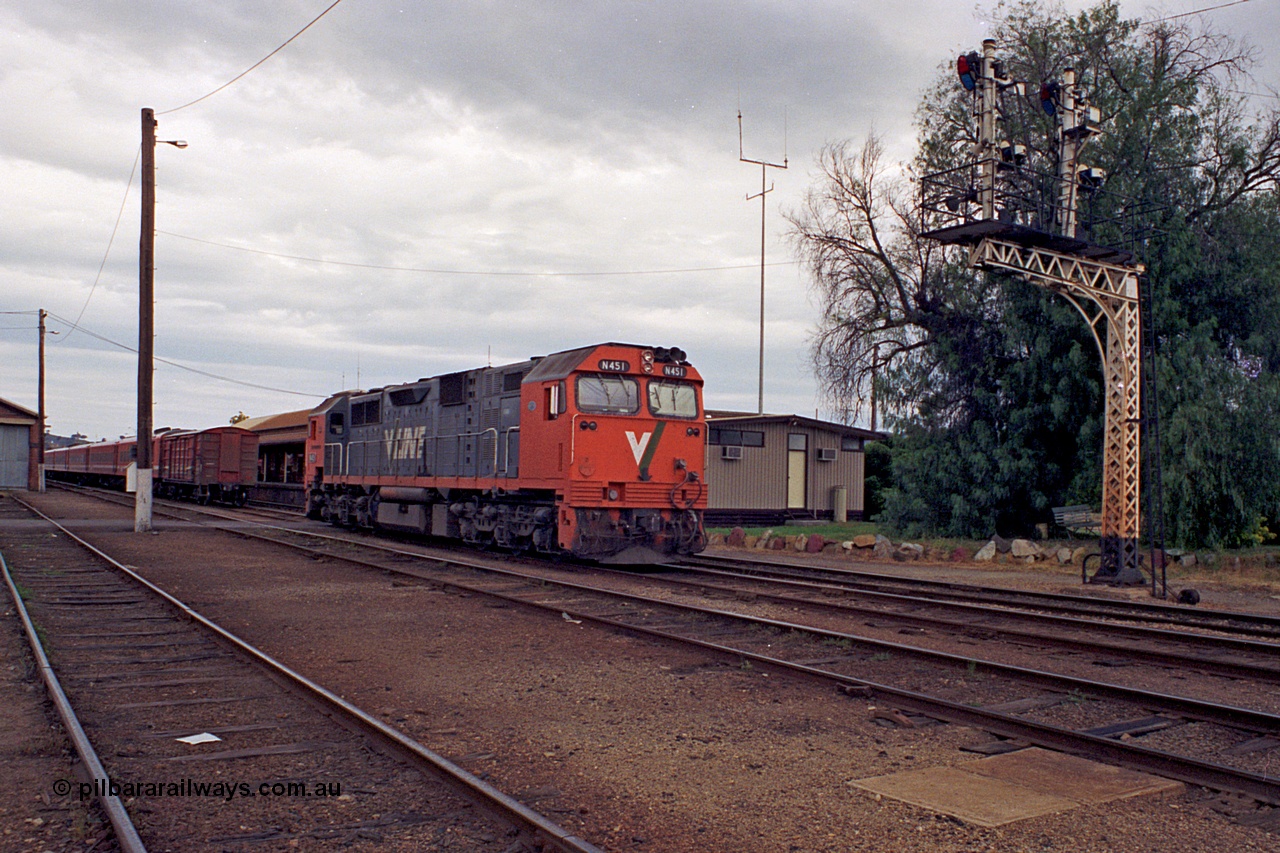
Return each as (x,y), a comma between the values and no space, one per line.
(188,368)
(253,67)
(1195,12)
(114,230)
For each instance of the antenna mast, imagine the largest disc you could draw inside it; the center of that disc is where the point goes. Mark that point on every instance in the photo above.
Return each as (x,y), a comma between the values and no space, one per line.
(764,166)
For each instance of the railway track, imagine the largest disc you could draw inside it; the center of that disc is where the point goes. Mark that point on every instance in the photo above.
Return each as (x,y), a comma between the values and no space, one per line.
(1222,622)
(1017,704)
(268,757)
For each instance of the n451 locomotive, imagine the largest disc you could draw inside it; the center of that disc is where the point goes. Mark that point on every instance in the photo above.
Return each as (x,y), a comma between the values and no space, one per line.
(596,452)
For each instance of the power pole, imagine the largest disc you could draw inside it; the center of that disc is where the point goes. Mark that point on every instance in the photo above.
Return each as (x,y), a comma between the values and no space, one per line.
(146,317)
(764,165)
(40,407)
(146,323)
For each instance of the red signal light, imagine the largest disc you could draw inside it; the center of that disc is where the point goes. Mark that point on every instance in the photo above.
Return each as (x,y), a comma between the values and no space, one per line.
(967,68)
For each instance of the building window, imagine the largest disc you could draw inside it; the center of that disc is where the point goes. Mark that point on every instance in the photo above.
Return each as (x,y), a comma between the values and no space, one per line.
(797,441)
(850,442)
(735,437)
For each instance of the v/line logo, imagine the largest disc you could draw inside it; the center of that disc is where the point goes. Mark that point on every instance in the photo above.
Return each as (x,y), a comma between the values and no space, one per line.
(638,444)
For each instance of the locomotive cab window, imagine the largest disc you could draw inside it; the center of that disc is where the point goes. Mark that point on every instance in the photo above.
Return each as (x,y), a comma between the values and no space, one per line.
(554,403)
(612,395)
(671,399)
(336,423)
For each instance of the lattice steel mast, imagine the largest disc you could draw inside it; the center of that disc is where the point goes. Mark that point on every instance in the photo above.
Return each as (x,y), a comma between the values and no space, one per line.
(1008,231)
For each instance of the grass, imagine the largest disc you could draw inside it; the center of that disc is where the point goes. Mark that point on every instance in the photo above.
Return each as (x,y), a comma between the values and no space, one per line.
(838,532)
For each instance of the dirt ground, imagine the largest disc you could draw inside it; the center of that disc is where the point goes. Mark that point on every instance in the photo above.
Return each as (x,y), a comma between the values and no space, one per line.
(632,744)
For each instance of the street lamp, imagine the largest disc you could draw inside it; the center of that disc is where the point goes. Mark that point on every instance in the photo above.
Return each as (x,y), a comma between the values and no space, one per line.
(146,318)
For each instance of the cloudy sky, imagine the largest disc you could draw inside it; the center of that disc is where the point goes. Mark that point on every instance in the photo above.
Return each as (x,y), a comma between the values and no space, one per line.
(411,188)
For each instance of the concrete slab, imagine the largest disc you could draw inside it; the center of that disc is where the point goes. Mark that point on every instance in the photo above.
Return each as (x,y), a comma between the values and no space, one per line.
(979,800)
(1070,776)
(1018,785)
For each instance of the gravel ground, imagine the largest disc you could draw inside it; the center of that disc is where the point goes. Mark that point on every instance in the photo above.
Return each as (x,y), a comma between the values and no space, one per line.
(635,745)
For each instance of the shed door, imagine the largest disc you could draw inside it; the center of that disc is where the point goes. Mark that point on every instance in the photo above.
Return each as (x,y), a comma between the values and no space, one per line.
(13,456)
(797,470)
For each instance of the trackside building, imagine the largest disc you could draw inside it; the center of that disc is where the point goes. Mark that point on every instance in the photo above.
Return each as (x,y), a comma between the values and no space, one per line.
(769,469)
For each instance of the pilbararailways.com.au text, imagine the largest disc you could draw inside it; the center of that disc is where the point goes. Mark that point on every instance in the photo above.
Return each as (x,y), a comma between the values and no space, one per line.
(195,788)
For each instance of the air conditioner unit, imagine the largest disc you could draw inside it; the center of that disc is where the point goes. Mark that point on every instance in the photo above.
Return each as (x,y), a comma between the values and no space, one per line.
(826,454)
(730,452)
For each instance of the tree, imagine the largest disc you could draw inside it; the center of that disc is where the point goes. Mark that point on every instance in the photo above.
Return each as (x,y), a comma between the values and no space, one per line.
(993,385)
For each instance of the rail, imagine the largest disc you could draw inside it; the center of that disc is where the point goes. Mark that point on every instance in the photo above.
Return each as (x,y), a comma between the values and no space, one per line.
(481,791)
(126,833)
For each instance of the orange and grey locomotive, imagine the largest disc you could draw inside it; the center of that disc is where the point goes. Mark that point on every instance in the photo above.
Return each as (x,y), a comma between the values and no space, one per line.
(595,452)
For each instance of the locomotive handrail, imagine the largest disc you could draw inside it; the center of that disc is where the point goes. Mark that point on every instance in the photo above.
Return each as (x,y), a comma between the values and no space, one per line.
(506,453)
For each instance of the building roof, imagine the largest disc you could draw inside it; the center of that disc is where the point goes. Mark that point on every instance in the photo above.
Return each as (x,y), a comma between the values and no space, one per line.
(715,417)
(279,428)
(12,413)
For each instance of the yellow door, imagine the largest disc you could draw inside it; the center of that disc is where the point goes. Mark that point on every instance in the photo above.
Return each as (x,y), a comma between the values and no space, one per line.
(797,470)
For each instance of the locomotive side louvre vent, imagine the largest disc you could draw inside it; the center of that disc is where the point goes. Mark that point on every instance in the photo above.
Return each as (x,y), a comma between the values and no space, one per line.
(511,381)
(453,389)
(730,452)
(826,454)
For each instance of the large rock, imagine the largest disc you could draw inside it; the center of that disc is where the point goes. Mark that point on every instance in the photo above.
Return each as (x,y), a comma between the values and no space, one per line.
(866,540)
(883,548)
(1063,555)
(737,537)
(958,555)
(912,550)
(815,544)
(1024,548)
(986,553)
(1002,545)
(801,541)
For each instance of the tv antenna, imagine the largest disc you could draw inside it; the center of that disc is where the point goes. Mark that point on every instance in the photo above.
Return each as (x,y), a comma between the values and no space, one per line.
(764,167)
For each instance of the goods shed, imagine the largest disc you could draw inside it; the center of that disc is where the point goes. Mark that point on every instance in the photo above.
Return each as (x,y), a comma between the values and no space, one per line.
(281,457)
(769,469)
(19,446)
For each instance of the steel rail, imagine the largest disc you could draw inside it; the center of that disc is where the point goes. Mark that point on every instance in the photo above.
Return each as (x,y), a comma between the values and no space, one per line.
(1183,768)
(126,833)
(482,792)
(1186,769)
(1135,610)
(1208,641)
(1208,711)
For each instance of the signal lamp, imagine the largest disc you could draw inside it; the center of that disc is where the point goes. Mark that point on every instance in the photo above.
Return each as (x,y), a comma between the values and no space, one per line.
(1049,98)
(969,66)
(1090,177)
